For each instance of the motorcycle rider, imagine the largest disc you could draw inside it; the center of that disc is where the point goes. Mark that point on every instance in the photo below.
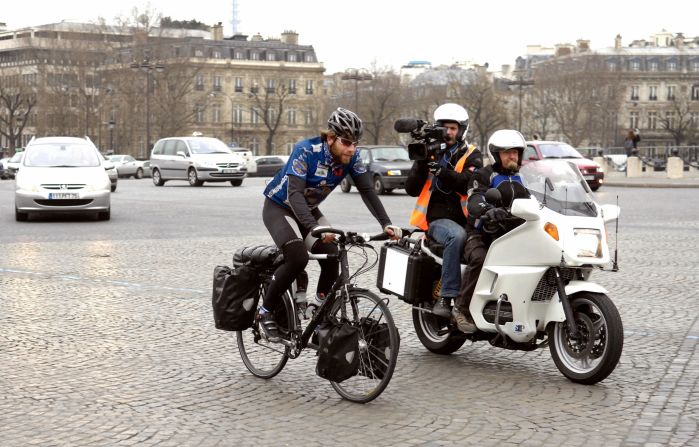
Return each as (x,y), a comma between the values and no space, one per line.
(485,220)
(440,182)
(290,212)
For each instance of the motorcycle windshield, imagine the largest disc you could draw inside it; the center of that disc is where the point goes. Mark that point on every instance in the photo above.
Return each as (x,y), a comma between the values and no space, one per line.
(559,185)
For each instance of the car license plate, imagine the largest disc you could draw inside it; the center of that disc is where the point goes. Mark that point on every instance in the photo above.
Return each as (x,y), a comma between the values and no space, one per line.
(229,171)
(62,195)
(589,177)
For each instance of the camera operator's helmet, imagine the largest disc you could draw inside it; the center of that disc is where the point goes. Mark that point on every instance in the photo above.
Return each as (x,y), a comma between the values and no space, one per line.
(346,124)
(503,140)
(455,113)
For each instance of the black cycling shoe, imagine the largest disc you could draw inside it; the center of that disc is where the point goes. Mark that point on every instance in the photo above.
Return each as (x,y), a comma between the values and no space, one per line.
(268,327)
(442,308)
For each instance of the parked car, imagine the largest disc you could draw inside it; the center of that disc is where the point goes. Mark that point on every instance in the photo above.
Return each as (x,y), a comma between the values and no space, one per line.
(197,160)
(538,150)
(64,175)
(266,165)
(127,166)
(388,165)
(3,168)
(111,172)
(13,164)
(146,169)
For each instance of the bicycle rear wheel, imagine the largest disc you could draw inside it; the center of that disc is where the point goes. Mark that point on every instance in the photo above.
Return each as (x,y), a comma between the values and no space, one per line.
(378,345)
(262,358)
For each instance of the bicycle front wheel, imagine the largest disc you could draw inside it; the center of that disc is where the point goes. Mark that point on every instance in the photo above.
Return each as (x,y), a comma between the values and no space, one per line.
(262,358)
(378,345)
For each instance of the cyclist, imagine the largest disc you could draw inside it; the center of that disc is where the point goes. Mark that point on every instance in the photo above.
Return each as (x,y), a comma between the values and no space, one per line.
(290,212)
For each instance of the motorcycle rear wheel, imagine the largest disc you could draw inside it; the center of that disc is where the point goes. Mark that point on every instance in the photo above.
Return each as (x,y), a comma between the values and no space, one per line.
(435,333)
(594,356)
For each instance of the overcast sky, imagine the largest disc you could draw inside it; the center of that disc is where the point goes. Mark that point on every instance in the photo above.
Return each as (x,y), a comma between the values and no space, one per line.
(354,34)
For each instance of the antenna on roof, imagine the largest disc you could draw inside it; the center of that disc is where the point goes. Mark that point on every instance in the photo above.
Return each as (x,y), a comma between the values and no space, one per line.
(235,22)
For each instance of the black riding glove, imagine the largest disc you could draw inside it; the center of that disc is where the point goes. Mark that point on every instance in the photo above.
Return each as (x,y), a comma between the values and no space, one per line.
(495,215)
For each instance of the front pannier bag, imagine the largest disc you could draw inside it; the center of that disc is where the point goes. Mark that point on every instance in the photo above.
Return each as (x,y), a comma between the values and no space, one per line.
(235,296)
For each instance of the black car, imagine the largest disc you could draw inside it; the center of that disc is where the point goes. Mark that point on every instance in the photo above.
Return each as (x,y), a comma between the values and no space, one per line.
(388,165)
(267,165)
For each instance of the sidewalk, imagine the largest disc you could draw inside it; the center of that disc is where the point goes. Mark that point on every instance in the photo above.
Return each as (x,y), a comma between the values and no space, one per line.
(652,180)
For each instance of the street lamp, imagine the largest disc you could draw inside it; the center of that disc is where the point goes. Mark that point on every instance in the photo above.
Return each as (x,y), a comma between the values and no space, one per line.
(356,75)
(112,125)
(147,67)
(230,98)
(520,81)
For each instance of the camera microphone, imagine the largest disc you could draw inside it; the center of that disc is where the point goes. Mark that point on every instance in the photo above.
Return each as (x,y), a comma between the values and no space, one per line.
(405,125)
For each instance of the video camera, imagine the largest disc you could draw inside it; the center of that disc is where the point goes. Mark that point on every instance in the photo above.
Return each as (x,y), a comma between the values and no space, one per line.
(430,140)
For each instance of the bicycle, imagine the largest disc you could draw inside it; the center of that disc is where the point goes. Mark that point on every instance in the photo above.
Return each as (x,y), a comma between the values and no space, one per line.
(345,302)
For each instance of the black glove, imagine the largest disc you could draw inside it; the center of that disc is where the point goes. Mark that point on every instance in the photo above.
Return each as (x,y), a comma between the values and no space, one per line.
(495,215)
(434,168)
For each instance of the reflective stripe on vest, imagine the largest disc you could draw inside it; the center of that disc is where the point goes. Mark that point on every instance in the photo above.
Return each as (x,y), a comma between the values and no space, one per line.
(418,217)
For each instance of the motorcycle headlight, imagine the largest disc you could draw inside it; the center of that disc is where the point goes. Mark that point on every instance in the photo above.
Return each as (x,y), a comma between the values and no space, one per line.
(588,242)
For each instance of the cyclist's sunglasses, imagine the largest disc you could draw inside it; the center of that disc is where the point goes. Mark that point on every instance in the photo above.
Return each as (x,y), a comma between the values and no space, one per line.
(346,142)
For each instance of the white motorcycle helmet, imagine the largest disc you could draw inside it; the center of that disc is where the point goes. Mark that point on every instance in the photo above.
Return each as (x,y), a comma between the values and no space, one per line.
(503,140)
(455,113)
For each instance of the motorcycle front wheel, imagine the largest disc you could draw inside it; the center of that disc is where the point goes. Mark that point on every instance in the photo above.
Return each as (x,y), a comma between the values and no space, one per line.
(435,333)
(595,353)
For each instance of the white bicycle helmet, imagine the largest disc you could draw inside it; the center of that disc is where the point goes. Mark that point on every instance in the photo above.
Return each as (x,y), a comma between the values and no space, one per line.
(454,113)
(346,123)
(503,140)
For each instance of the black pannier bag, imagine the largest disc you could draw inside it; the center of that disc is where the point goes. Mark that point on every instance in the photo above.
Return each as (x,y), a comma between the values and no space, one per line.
(338,351)
(235,296)
(378,340)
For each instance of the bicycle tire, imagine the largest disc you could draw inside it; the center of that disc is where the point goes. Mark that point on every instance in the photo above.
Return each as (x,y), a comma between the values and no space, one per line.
(377,362)
(262,358)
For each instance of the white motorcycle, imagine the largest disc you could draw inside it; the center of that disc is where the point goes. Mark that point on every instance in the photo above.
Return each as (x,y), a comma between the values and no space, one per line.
(534,289)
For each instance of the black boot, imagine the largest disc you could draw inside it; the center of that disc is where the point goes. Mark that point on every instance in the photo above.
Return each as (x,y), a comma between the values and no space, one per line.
(442,308)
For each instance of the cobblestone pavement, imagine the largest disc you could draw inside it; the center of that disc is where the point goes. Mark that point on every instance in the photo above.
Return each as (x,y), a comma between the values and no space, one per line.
(106,338)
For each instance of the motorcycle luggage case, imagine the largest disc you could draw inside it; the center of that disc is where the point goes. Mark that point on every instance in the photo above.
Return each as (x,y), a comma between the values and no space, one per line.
(406,274)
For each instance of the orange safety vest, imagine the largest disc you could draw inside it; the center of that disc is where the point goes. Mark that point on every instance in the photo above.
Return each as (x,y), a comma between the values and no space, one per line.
(418,218)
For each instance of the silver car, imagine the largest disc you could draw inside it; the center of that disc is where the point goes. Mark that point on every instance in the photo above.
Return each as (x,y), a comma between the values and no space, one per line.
(197,160)
(62,175)
(127,166)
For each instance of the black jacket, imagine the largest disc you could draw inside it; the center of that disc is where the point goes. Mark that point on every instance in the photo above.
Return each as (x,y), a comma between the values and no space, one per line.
(445,201)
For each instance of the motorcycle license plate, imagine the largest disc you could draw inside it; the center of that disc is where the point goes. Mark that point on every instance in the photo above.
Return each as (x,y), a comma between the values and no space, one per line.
(62,195)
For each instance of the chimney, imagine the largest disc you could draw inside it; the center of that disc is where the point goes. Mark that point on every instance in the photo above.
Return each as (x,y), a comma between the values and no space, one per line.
(617,42)
(563,49)
(679,41)
(583,45)
(217,31)
(256,38)
(290,37)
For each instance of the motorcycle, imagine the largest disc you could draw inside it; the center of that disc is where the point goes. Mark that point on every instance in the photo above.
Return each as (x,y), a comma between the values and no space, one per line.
(534,289)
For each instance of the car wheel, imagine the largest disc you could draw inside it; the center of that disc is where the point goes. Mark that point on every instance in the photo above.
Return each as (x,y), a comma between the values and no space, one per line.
(21,217)
(378,185)
(139,173)
(192,178)
(104,215)
(345,185)
(237,182)
(157,180)
(388,190)
(113,188)
(594,187)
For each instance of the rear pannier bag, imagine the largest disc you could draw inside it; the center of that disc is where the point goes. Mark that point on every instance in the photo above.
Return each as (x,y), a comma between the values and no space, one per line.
(235,296)
(338,351)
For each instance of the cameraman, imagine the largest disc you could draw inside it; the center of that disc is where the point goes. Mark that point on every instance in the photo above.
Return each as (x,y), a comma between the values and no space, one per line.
(440,184)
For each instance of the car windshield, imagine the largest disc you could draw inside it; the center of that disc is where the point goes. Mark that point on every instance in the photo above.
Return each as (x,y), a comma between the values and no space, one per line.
(115,158)
(51,155)
(208,146)
(390,154)
(558,150)
(559,185)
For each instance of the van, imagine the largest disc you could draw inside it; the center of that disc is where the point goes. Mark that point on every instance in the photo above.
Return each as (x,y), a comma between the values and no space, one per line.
(197,160)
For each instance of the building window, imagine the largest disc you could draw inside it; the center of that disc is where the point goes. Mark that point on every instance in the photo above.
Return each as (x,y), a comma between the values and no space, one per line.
(216,113)
(611,66)
(291,57)
(653,93)
(694,120)
(309,87)
(669,120)
(254,116)
(672,66)
(255,145)
(291,116)
(198,52)
(634,120)
(238,85)
(254,56)
(271,86)
(634,92)
(238,55)
(271,115)
(292,86)
(308,117)
(652,120)
(217,83)
(199,113)
(695,65)
(309,58)
(695,93)
(635,65)
(670,92)
(653,66)
(199,83)
(271,56)
(216,54)
(238,114)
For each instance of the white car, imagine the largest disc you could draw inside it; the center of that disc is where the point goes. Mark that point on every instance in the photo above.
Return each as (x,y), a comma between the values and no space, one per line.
(62,175)
(127,166)
(197,160)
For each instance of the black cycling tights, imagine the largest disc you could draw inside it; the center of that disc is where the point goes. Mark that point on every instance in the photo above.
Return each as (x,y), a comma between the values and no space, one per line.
(284,228)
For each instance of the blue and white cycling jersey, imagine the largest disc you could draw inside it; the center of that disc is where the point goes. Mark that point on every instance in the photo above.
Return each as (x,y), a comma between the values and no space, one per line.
(312,161)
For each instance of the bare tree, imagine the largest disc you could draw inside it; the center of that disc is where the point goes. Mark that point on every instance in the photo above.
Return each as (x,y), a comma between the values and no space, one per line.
(380,108)
(538,115)
(678,120)
(16,104)
(270,107)
(484,104)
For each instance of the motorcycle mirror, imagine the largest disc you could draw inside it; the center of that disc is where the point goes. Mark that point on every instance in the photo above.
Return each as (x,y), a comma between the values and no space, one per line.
(492,195)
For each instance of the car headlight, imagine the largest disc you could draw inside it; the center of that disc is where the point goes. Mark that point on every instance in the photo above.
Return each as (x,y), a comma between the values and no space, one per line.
(588,242)
(393,172)
(25,185)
